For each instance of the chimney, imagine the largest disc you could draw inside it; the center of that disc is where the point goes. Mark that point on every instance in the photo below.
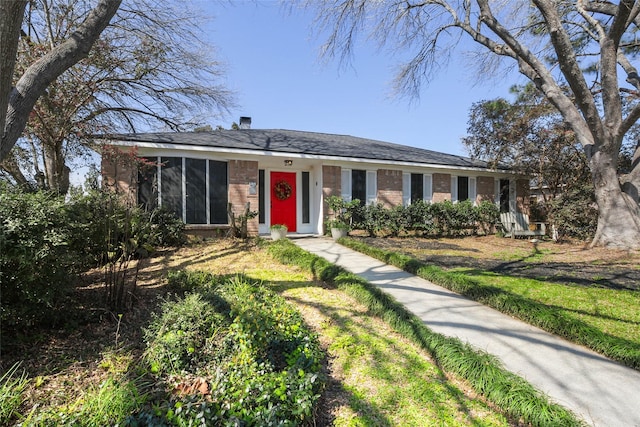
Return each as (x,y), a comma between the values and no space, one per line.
(245,122)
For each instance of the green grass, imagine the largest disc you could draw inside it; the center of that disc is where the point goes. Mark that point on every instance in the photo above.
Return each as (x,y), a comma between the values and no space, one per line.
(604,320)
(12,386)
(380,351)
(109,403)
(523,255)
(510,393)
(389,380)
(612,312)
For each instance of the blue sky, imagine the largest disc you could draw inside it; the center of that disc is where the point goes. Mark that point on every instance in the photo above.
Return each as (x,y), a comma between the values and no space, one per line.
(273,65)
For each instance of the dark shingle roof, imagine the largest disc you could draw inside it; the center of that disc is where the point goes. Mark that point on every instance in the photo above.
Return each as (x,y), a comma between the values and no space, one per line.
(300,142)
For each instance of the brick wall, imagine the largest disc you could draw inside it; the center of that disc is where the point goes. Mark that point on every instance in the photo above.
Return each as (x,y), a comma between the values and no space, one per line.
(441,187)
(485,189)
(331,185)
(120,178)
(241,172)
(389,187)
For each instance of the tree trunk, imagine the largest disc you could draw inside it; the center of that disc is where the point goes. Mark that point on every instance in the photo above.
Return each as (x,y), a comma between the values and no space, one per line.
(11,16)
(57,172)
(10,166)
(618,213)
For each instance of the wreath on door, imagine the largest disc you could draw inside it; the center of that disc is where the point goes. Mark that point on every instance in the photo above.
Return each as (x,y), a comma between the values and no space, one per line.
(282,189)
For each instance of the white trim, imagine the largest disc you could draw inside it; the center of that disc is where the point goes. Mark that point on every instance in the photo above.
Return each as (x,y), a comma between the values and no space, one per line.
(262,153)
(473,189)
(427,187)
(371,187)
(406,189)
(454,188)
(345,185)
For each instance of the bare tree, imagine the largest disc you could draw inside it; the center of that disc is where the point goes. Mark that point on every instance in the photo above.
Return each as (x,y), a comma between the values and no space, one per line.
(580,45)
(16,102)
(148,70)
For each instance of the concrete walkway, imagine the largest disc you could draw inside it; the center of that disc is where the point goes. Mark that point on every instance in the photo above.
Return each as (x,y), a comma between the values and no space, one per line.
(601,391)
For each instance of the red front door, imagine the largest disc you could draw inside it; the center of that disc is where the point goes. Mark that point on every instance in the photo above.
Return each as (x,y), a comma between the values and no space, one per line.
(283,199)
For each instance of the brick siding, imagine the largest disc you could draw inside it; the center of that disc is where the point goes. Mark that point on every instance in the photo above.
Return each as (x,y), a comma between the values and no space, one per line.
(389,187)
(441,187)
(486,189)
(241,172)
(120,178)
(331,185)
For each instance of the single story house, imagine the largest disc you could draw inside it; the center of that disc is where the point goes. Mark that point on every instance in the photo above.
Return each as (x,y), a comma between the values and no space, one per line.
(286,175)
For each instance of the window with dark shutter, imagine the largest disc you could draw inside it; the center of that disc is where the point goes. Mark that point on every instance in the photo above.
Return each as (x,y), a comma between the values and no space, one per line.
(196,186)
(417,187)
(306,208)
(171,185)
(218,193)
(359,185)
(463,188)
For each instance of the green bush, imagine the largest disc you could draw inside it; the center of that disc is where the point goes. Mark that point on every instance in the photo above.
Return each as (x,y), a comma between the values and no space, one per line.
(372,218)
(575,213)
(36,263)
(438,219)
(260,361)
(46,242)
(102,221)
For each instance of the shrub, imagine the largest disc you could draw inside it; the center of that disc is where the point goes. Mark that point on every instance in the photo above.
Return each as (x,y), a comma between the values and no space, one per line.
(575,213)
(488,214)
(372,218)
(420,217)
(442,219)
(259,361)
(45,242)
(36,262)
(102,221)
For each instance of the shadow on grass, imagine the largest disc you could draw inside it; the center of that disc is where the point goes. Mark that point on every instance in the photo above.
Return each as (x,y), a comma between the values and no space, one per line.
(359,345)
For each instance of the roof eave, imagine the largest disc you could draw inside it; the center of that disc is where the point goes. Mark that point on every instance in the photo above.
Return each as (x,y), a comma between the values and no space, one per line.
(201,148)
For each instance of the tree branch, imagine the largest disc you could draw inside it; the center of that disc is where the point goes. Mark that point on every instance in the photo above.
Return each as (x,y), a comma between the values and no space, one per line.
(44,71)
(565,54)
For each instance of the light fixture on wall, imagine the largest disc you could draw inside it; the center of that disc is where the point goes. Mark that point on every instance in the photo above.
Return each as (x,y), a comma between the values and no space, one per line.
(288,162)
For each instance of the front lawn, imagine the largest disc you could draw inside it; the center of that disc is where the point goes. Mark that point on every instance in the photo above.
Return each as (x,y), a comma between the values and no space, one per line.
(600,314)
(171,366)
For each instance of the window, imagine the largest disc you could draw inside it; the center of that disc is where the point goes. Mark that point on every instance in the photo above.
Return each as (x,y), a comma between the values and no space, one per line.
(195,190)
(504,195)
(359,184)
(171,185)
(463,188)
(306,208)
(416,186)
(218,192)
(261,197)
